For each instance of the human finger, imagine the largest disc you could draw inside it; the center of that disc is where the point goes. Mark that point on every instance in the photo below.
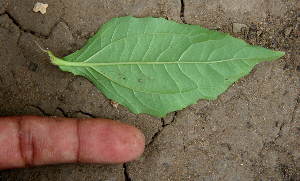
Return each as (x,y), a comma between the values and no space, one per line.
(35,140)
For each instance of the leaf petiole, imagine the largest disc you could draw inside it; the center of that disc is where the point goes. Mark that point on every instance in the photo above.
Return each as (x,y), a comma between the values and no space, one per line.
(55,60)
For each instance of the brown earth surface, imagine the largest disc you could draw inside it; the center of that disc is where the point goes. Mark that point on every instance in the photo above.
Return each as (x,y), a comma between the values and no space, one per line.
(251,132)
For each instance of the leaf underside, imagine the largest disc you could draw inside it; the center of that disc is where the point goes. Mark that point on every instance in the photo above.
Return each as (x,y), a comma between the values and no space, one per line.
(156,66)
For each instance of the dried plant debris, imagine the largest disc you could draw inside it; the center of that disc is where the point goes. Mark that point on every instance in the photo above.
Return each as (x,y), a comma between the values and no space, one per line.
(40,7)
(114,104)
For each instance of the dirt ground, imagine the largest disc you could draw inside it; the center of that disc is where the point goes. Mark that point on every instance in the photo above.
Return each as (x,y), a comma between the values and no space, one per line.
(251,132)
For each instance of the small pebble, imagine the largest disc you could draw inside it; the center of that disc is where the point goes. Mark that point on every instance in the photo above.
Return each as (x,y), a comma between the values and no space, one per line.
(237,27)
(40,7)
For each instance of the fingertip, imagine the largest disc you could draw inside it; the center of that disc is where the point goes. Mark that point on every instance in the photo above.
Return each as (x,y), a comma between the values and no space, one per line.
(135,145)
(109,141)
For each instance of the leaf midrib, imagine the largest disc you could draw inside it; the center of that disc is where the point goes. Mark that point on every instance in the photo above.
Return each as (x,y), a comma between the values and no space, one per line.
(84,64)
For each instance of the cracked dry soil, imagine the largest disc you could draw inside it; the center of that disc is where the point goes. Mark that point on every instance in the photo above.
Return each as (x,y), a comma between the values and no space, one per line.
(251,132)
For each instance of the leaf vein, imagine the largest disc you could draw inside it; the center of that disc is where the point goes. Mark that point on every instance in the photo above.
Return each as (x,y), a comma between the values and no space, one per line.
(91,44)
(187,75)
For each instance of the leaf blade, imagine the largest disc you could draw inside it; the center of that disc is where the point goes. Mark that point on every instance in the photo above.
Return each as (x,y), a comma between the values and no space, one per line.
(155,66)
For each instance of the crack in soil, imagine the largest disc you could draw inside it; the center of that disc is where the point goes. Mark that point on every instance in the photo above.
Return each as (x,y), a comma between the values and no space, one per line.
(154,137)
(86,113)
(182,12)
(37,34)
(69,114)
(13,19)
(40,109)
(61,110)
(292,119)
(127,177)
(25,30)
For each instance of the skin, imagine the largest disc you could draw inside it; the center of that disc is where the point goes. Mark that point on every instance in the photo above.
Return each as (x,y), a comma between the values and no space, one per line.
(34,140)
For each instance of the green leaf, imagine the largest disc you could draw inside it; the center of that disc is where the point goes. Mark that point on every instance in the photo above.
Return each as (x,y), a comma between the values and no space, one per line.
(155,66)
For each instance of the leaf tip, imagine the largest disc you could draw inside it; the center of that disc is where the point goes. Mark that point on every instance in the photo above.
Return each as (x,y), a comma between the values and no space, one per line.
(282,53)
(279,54)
